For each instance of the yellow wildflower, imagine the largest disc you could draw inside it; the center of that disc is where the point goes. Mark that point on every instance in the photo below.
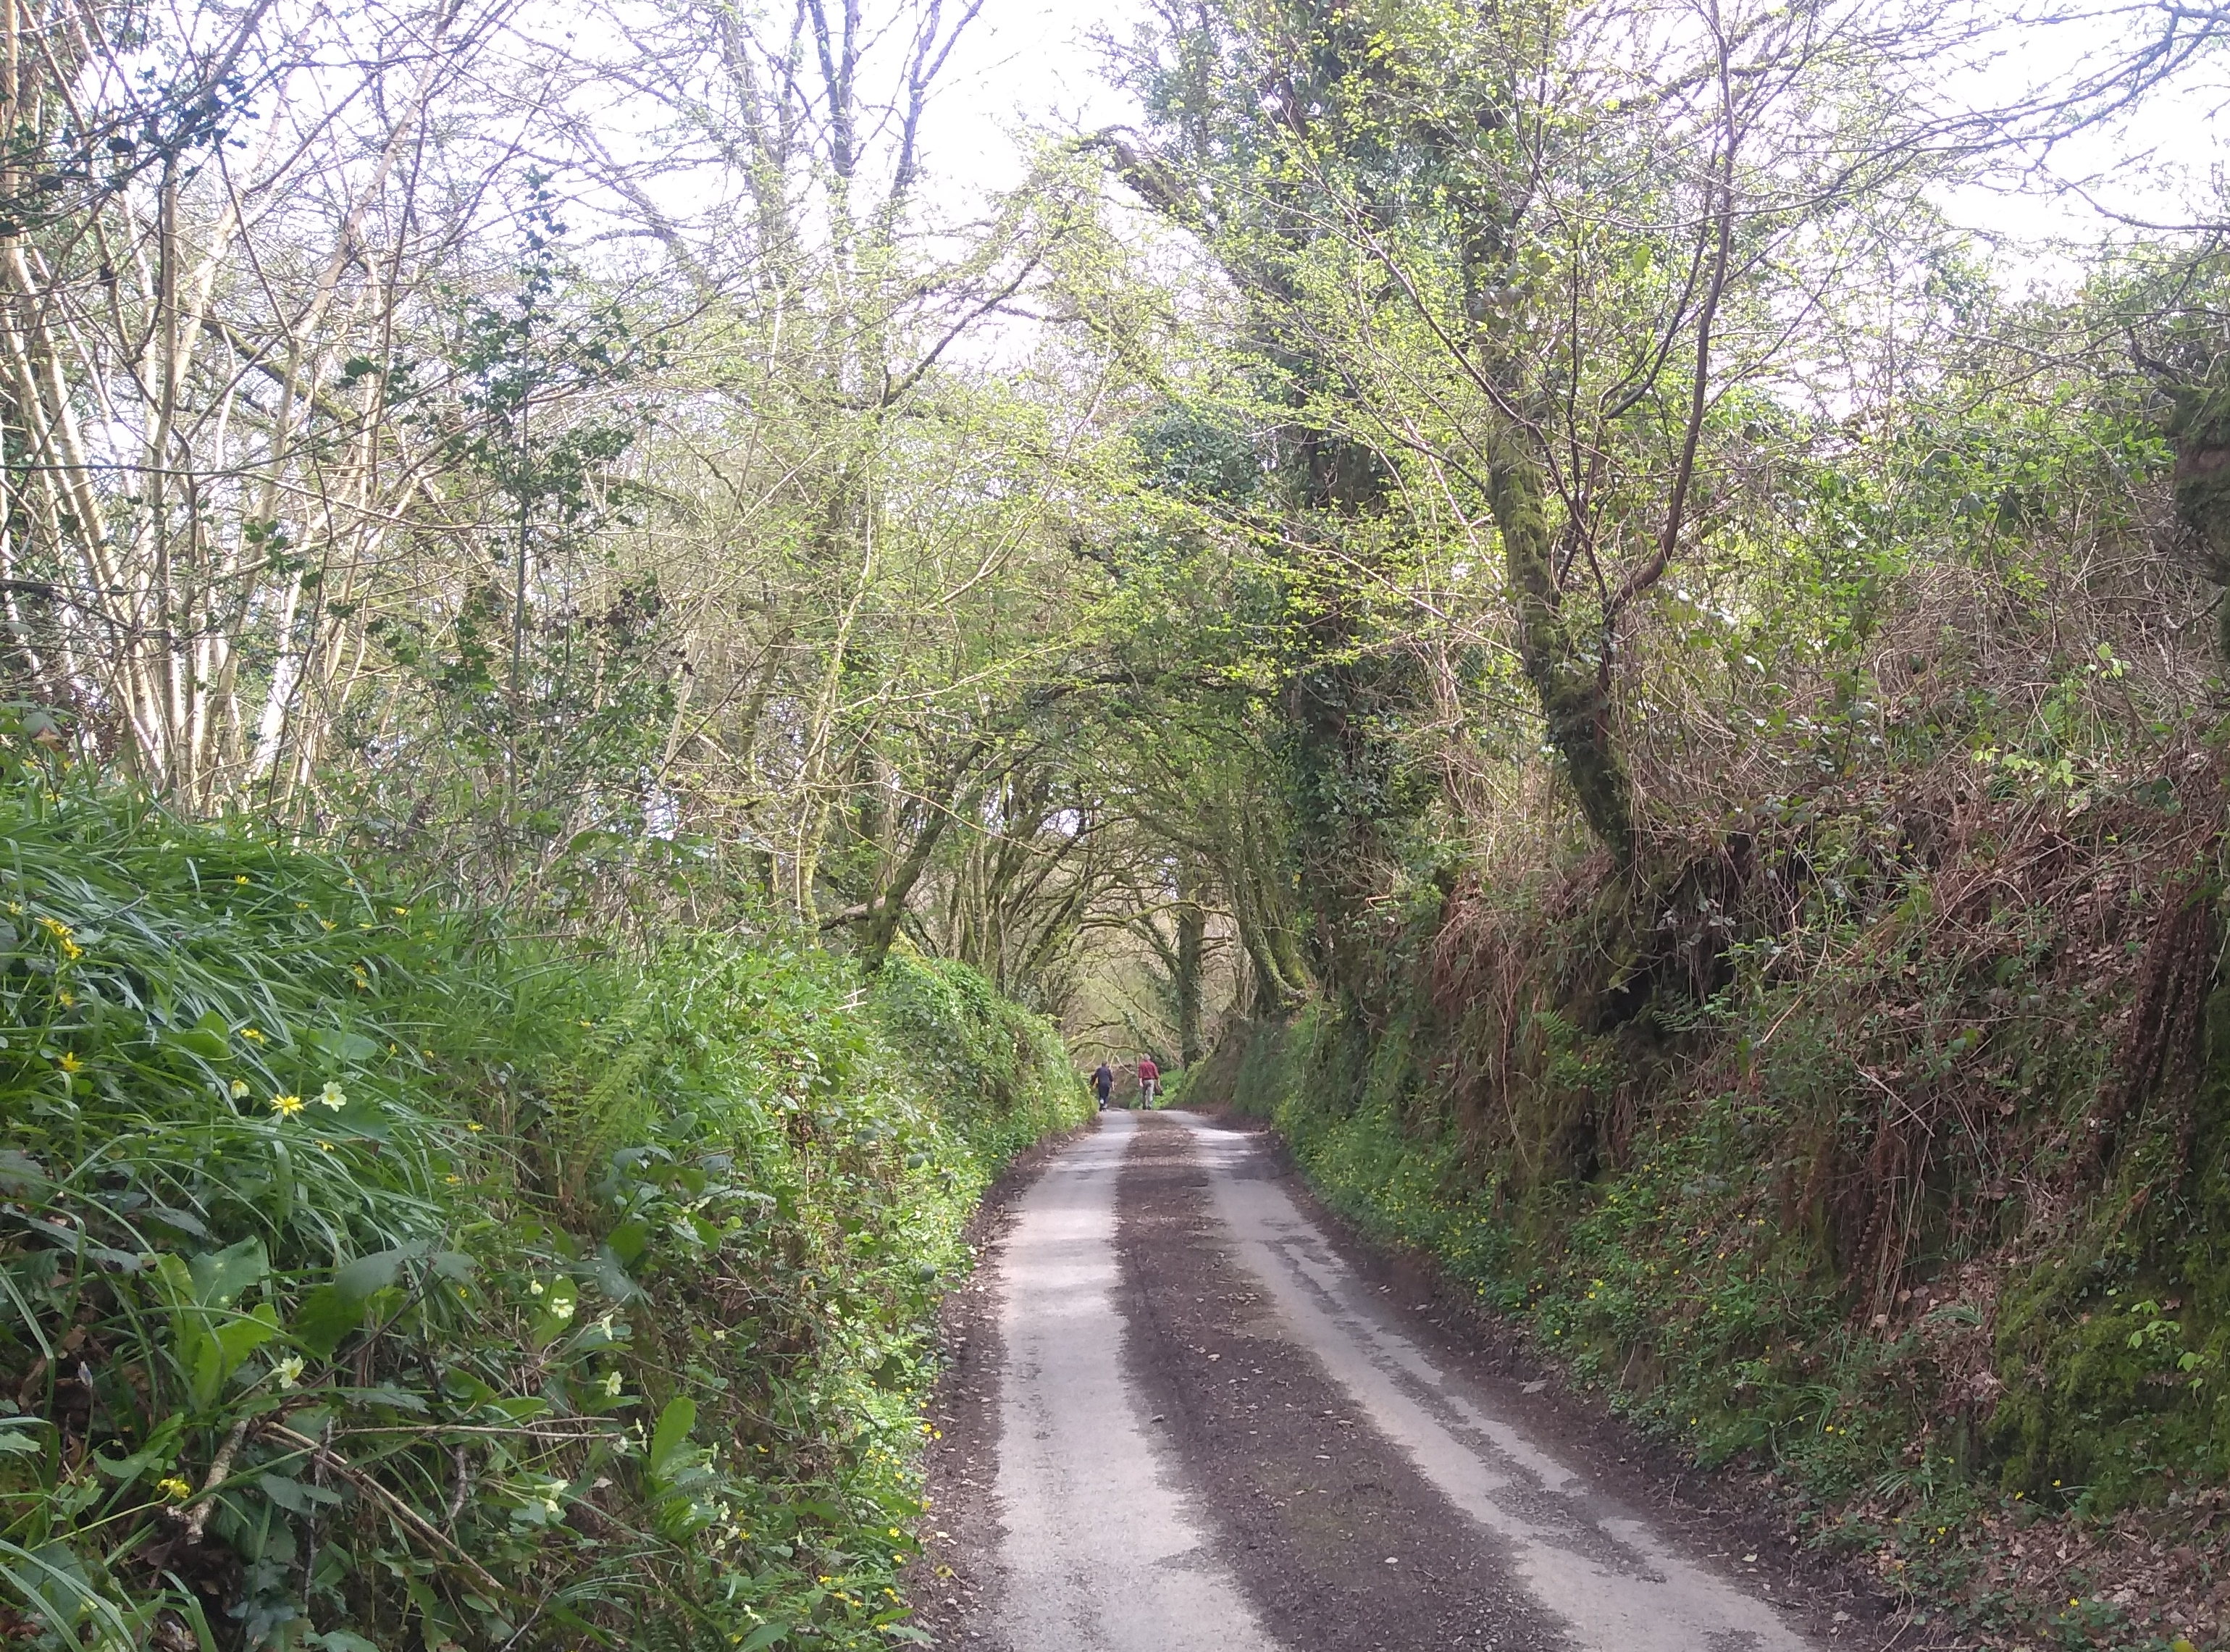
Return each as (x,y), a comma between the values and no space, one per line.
(69,1062)
(174,1488)
(286,1105)
(241,877)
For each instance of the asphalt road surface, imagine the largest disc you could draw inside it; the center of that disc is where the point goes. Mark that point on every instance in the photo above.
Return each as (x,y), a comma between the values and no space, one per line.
(1183,1422)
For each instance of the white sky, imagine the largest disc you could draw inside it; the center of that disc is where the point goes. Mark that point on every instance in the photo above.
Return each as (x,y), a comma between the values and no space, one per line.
(2161,165)
(1024,63)
(1032,63)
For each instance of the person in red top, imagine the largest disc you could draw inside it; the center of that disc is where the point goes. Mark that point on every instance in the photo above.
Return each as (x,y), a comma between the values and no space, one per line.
(1149,1080)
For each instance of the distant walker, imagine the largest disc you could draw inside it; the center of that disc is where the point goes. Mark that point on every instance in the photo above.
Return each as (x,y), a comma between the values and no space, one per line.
(1150,1082)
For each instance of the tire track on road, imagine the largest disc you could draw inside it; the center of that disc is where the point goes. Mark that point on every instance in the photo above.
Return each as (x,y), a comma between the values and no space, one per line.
(1184,1424)
(1339,1542)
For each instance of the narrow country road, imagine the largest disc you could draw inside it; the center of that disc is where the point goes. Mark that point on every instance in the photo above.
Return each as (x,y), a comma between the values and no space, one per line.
(1183,1423)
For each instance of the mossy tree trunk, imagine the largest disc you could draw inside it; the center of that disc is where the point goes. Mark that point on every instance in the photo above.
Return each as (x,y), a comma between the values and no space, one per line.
(1190,962)
(2198,428)
(1570,671)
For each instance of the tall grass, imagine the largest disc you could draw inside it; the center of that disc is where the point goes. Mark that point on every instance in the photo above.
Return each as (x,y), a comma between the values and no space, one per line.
(370,1278)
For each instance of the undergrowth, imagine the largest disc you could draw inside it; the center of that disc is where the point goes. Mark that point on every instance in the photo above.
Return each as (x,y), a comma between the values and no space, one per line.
(372,1277)
(1882,1159)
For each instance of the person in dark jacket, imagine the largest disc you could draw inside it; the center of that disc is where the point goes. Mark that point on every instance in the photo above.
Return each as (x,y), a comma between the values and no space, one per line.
(1104,1082)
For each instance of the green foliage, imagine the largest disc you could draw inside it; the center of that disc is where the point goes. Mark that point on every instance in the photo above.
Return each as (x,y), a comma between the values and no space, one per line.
(1883,1219)
(370,1275)
(1000,1074)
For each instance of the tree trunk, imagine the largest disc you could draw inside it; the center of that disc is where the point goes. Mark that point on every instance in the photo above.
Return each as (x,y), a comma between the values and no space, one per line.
(1191,956)
(1570,678)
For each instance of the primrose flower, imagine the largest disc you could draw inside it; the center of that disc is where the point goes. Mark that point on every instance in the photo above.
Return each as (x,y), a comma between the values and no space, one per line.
(174,1488)
(64,937)
(333,1095)
(612,1385)
(286,1105)
(289,1371)
(240,1089)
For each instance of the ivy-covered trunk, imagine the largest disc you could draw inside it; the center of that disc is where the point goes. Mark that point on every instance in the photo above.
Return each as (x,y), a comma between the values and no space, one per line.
(1568,674)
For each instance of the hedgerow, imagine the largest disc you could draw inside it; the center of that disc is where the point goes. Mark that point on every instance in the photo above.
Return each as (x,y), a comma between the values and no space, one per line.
(371,1276)
(1877,1151)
